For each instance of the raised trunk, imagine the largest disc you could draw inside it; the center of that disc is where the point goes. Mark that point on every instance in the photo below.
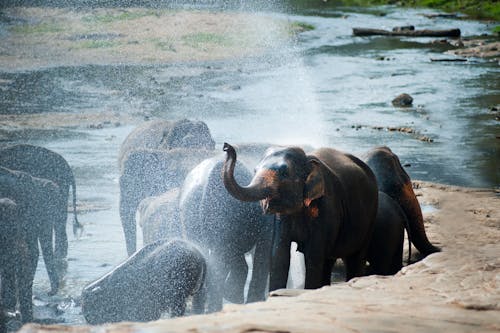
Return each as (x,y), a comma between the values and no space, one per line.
(250,193)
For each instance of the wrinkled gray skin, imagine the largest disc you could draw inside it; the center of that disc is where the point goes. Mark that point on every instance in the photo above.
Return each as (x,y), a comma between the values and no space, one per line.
(159,218)
(393,180)
(157,278)
(385,253)
(9,255)
(37,201)
(326,201)
(154,158)
(43,163)
(227,229)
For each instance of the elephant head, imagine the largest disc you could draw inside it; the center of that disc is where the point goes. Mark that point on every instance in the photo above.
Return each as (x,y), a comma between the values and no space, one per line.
(286,180)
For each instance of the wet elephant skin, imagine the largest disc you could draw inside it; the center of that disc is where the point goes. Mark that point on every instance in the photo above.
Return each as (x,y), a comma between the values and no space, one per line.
(157,278)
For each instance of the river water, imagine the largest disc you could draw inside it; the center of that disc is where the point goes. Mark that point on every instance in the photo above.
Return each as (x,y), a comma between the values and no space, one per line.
(328,88)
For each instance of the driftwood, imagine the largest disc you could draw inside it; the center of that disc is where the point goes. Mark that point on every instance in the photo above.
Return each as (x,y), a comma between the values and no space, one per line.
(406,32)
(448,59)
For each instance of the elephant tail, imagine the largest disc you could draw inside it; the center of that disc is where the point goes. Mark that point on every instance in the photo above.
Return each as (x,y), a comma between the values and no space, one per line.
(408,232)
(76,224)
(409,203)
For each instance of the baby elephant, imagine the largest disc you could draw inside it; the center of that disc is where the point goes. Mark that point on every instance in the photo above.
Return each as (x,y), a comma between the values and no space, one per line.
(157,278)
(385,253)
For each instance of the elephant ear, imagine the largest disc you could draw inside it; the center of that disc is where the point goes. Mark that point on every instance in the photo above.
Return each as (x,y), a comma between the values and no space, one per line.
(314,187)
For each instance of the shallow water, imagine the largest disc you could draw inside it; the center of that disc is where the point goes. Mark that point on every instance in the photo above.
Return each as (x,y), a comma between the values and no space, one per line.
(328,88)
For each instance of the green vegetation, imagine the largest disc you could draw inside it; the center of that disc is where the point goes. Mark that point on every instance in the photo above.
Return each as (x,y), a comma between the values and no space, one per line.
(297,27)
(36,28)
(200,39)
(164,45)
(97,44)
(123,16)
(472,8)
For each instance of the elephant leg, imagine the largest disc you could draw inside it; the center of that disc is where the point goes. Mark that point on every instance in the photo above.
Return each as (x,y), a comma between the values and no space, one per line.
(355,265)
(25,276)
(327,271)
(217,272)
(178,305)
(234,286)
(315,270)
(199,300)
(45,239)
(128,205)
(261,262)
(8,284)
(61,237)
(280,260)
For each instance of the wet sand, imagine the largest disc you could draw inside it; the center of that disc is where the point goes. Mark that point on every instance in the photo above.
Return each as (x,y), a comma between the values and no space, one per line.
(456,290)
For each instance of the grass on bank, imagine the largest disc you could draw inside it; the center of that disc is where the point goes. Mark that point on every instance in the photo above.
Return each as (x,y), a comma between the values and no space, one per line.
(474,9)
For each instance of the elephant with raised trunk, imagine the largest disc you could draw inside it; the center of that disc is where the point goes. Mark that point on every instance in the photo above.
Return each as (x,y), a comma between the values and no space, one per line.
(28,216)
(159,277)
(326,201)
(154,158)
(226,229)
(44,163)
(393,180)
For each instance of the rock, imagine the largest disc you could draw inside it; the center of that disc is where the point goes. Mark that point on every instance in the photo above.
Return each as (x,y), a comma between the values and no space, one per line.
(403,100)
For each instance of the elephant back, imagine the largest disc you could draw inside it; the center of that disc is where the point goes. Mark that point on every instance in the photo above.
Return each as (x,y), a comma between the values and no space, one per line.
(144,285)
(39,162)
(167,135)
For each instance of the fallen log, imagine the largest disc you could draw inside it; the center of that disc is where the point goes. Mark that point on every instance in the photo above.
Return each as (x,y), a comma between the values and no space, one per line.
(407,33)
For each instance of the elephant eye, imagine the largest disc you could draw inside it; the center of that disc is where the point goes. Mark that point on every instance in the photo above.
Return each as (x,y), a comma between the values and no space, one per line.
(283,171)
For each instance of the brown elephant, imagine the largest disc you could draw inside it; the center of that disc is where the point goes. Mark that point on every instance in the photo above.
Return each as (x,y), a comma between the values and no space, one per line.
(393,180)
(326,201)
(385,253)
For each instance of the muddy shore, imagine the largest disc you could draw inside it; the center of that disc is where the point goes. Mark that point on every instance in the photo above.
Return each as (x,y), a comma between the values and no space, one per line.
(457,290)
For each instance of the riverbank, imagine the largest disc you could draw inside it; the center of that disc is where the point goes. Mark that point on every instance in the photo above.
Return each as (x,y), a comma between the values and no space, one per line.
(481,10)
(456,290)
(38,37)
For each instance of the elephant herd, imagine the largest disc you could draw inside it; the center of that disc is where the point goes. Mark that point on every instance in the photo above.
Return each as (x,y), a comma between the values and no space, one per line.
(203,215)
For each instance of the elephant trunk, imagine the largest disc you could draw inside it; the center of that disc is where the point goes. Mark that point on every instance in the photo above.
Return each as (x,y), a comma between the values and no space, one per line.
(250,193)
(409,203)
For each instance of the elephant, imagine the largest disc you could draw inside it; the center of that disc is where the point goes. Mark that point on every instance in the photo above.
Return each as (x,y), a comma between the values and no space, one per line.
(385,253)
(159,218)
(326,201)
(393,180)
(29,222)
(44,163)
(157,278)
(154,158)
(225,229)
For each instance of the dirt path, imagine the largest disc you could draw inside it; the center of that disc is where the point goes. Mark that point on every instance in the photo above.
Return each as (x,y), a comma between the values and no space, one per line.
(457,290)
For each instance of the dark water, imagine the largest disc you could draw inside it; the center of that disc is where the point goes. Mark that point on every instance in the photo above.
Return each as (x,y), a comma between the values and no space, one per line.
(328,88)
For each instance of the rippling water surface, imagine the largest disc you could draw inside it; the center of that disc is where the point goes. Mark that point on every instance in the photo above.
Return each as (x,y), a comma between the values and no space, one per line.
(327,88)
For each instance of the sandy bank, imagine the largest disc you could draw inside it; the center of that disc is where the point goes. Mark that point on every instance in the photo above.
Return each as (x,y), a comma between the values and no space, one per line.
(46,37)
(457,290)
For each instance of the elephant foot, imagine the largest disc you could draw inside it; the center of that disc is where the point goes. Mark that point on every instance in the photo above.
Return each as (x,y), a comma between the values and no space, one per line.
(53,289)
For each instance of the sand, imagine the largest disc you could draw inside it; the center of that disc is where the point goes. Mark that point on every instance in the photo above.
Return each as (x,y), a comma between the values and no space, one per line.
(43,37)
(456,290)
